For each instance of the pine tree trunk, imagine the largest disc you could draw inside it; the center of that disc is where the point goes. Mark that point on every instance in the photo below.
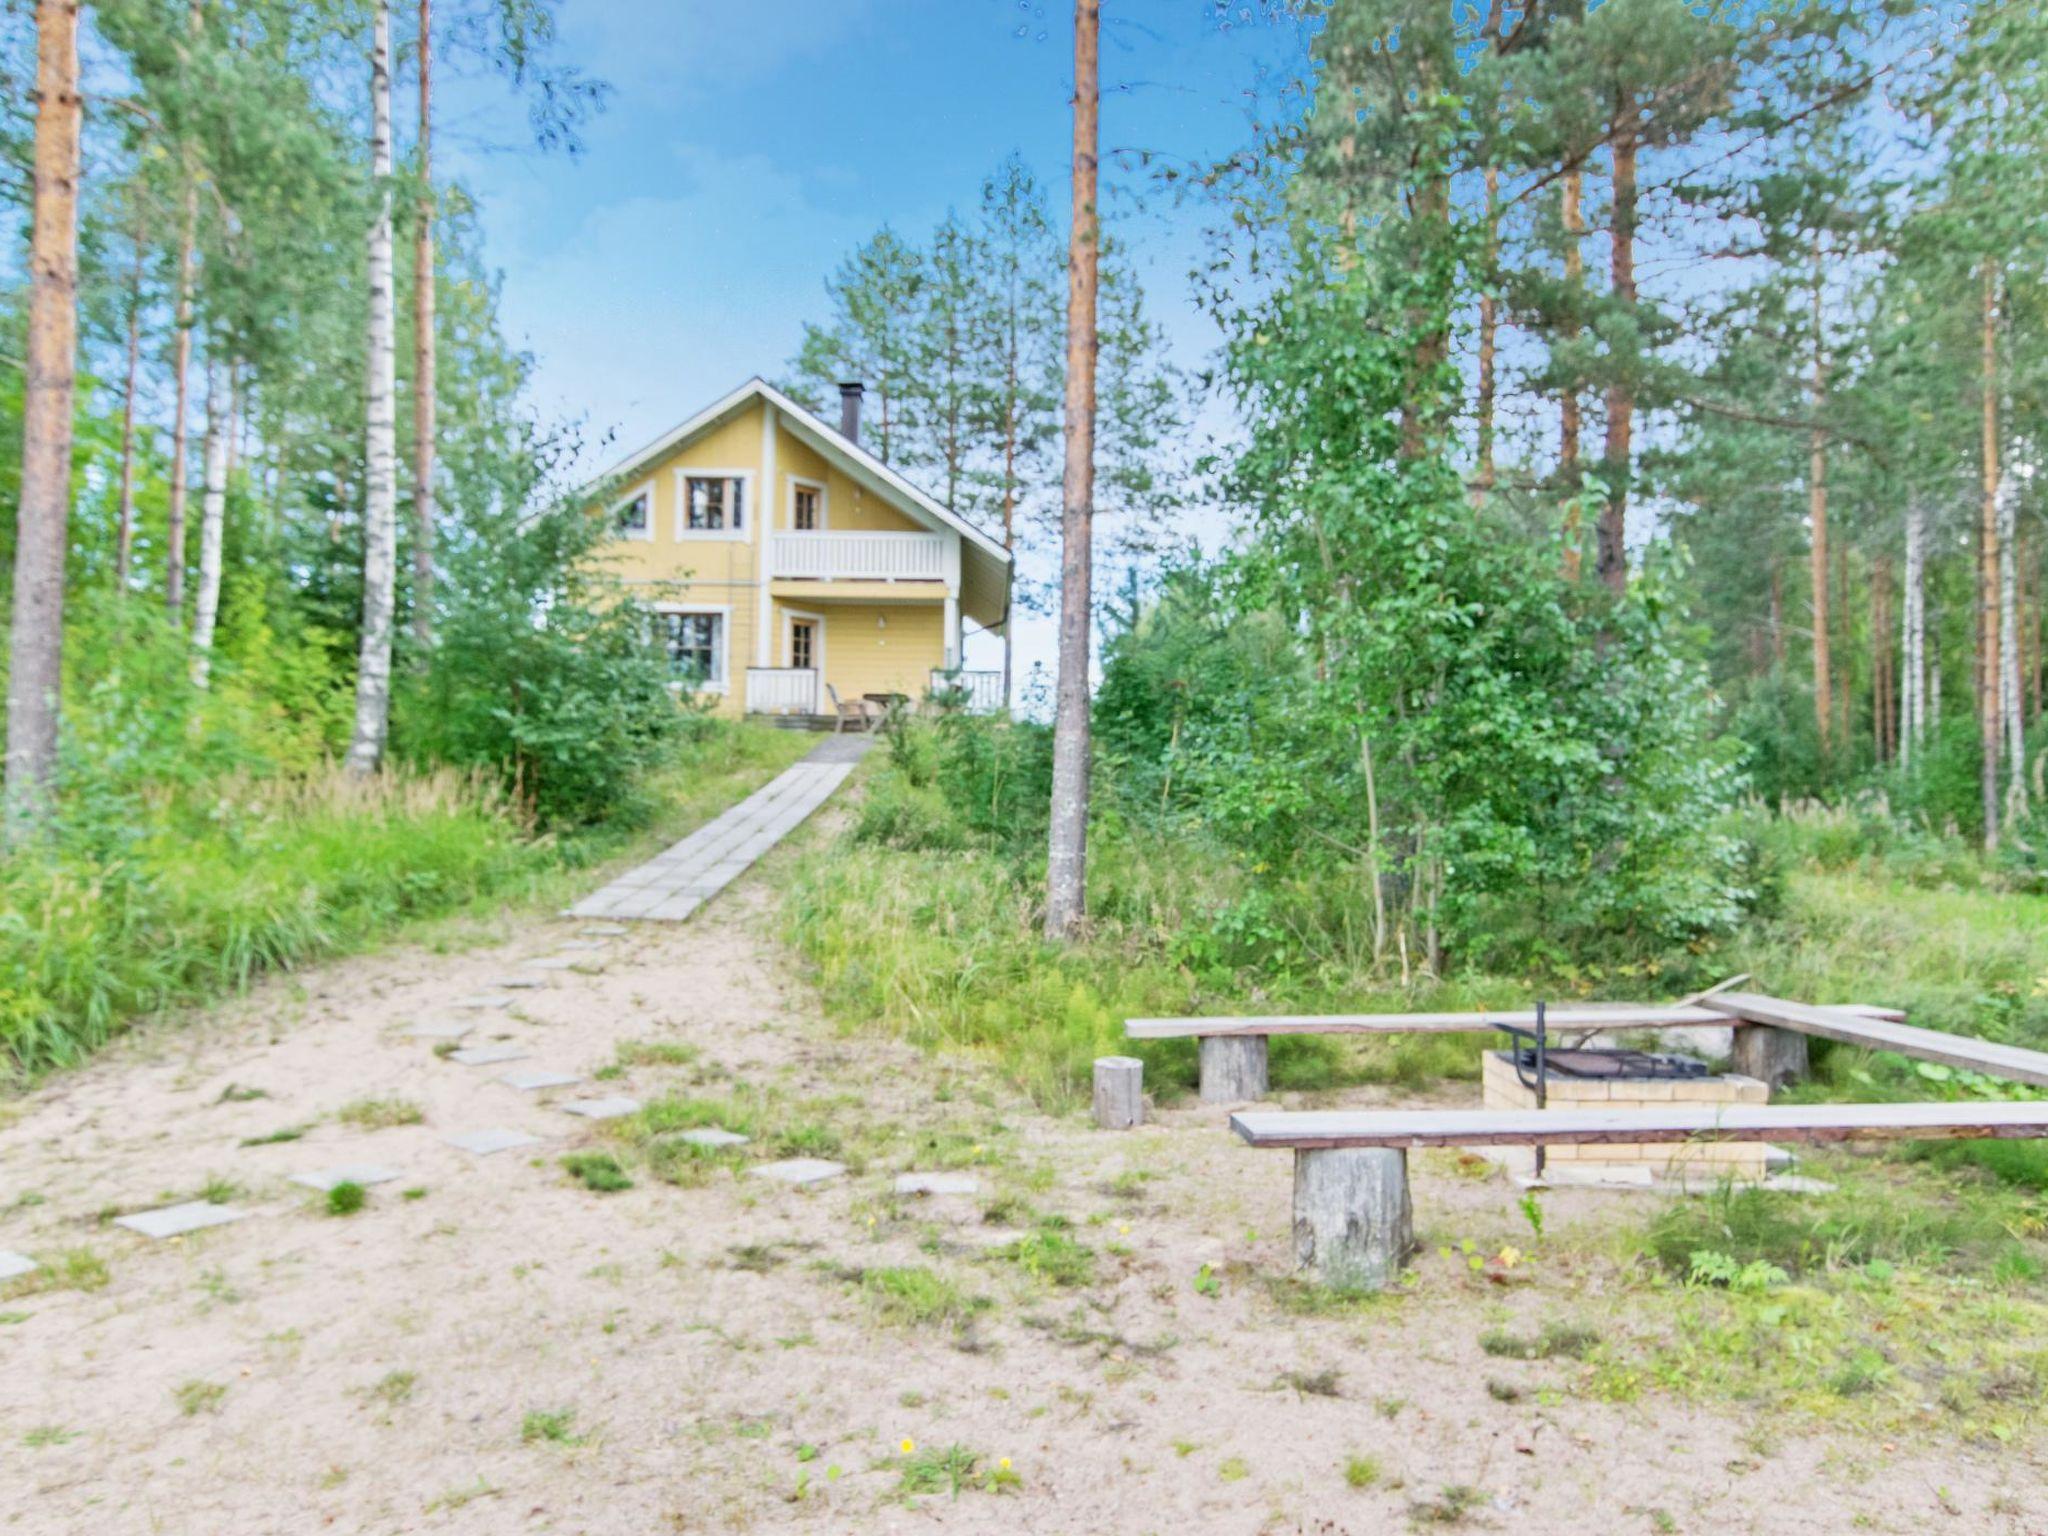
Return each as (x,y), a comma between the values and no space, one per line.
(181,412)
(213,502)
(1987,563)
(1612,554)
(124,539)
(1817,516)
(1067,843)
(2009,647)
(1569,422)
(1882,739)
(1487,326)
(36,639)
(1010,506)
(380,489)
(424,359)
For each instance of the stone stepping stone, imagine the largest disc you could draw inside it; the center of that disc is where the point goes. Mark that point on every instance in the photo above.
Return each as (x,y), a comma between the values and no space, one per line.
(483,1000)
(602,1109)
(799,1171)
(520,983)
(937,1184)
(713,1136)
(533,1082)
(496,1139)
(364,1174)
(556,962)
(583,944)
(440,1029)
(603,930)
(14,1265)
(177,1220)
(486,1055)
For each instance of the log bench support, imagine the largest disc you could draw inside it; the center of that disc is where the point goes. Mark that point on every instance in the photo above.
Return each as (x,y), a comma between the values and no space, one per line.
(1772,1056)
(1233,1069)
(1119,1092)
(1353,1223)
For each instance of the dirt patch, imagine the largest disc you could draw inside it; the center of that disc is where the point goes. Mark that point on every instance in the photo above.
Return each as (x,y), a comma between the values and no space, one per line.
(1103,1337)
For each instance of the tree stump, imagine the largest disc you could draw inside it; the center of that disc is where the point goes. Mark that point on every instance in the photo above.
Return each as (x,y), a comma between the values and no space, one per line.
(1353,1224)
(1774,1057)
(1119,1092)
(1233,1069)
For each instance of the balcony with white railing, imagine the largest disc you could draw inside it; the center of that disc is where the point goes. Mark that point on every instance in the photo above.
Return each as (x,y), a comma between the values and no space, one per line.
(857,556)
(782,691)
(978,693)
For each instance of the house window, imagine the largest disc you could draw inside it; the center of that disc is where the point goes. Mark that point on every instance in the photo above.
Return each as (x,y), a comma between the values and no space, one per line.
(803,644)
(714,504)
(633,517)
(804,511)
(696,647)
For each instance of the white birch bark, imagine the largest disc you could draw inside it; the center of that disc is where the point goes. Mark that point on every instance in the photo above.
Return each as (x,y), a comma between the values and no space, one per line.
(213,505)
(1913,636)
(2010,717)
(380,470)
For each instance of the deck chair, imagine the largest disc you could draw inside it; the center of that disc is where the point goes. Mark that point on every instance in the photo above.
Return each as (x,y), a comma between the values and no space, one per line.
(845,710)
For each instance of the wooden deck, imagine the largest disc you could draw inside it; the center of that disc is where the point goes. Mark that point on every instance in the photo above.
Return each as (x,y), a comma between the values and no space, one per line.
(1879,1034)
(1316,1130)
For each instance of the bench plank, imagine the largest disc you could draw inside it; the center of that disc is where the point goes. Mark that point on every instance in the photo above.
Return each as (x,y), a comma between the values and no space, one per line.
(1570,1016)
(1966,1051)
(1677,1122)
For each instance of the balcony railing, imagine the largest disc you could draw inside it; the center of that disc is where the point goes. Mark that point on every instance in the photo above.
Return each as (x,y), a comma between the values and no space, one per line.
(782,691)
(979,693)
(858,556)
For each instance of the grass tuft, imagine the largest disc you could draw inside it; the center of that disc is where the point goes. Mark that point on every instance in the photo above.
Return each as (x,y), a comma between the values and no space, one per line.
(598,1172)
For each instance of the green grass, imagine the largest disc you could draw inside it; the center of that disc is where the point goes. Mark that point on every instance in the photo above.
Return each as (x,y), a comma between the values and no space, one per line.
(912,1296)
(952,1470)
(207,882)
(1361,1472)
(598,1172)
(197,1397)
(550,1426)
(1049,1254)
(346,1198)
(379,1114)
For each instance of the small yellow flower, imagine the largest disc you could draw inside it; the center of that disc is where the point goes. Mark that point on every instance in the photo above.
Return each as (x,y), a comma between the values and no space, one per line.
(909,1446)
(1004,1463)
(1124,1230)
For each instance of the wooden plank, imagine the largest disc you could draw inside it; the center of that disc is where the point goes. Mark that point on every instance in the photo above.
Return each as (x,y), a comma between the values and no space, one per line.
(1569,1016)
(1987,1056)
(1677,1122)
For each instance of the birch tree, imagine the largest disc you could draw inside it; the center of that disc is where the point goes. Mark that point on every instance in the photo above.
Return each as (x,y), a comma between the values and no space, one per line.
(380,489)
(424,351)
(213,503)
(36,640)
(1067,843)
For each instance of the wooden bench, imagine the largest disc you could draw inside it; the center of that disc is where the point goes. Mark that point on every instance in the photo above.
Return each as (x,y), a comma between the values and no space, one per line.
(1353,1219)
(1773,1045)
(1234,1050)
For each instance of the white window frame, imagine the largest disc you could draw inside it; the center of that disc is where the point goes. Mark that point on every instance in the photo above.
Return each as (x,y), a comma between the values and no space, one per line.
(791,617)
(750,505)
(824,504)
(721,650)
(644,534)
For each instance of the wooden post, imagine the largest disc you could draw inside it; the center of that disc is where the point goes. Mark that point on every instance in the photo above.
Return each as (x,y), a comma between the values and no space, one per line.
(1353,1224)
(1772,1056)
(1119,1092)
(1233,1069)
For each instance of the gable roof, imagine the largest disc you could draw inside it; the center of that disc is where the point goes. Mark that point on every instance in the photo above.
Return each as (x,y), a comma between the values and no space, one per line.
(985,564)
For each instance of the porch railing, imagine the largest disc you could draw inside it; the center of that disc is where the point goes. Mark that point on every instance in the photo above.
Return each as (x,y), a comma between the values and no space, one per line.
(782,691)
(858,556)
(979,693)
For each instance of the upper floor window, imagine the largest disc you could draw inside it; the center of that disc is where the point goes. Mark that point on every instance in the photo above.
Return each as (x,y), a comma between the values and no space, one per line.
(633,518)
(713,504)
(804,509)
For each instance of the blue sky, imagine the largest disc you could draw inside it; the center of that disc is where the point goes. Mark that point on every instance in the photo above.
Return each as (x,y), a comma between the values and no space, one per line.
(745,149)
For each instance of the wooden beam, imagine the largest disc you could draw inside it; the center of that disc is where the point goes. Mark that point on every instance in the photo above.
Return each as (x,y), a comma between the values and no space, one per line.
(1676,1122)
(1877,1034)
(1572,1016)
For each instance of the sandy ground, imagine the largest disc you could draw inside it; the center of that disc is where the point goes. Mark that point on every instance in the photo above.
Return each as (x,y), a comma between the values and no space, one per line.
(722,1371)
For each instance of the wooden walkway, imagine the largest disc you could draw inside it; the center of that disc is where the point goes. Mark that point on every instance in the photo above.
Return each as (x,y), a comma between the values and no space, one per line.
(1974,1055)
(679,880)
(1315,1130)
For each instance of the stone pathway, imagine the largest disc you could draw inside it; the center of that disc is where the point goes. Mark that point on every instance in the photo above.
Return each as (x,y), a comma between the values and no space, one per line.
(672,885)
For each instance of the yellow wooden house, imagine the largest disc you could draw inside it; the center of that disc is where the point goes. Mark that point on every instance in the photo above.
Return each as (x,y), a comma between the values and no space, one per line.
(792,572)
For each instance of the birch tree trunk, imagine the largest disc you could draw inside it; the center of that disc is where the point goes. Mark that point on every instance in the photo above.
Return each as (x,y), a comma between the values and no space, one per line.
(380,474)
(2009,715)
(1067,843)
(213,502)
(424,353)
(124,539)
(181,411)
(1913,635)
(1612,552)
(1988,562)
(36,641)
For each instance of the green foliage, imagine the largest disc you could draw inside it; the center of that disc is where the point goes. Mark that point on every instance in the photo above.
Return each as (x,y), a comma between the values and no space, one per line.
(598,1172)
(346,1198)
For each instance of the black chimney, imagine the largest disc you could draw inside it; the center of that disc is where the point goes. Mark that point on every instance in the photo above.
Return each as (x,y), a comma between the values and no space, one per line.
(849,409)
